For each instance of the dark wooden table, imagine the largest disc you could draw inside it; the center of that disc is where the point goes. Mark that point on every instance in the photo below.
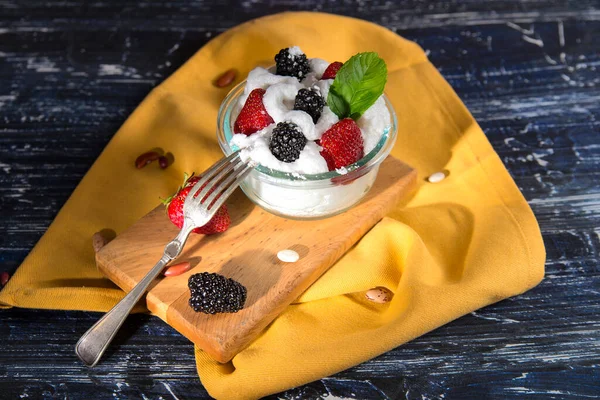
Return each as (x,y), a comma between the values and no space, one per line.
(529,71)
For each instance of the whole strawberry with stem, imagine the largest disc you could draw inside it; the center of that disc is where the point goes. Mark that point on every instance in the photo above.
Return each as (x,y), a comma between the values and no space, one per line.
(217,224)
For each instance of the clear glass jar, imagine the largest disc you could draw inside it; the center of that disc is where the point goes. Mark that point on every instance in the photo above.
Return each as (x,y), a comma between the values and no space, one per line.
(306,196)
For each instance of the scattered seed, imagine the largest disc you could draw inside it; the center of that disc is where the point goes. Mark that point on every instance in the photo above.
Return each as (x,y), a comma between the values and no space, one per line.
(99,241)
(225,78)
(288,255)
(379,295)
(163,162)
(436,177)
(4,277)
(177,269)
(146,159)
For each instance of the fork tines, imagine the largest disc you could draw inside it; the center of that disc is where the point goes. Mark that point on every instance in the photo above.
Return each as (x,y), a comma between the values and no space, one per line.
(218,182)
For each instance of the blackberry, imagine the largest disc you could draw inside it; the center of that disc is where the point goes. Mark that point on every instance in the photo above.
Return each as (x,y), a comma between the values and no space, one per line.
(213,293)
(287,141)
(311,102)
(292,62)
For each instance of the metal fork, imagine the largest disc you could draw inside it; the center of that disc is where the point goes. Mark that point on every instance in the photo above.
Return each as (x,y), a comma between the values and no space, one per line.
(199,207)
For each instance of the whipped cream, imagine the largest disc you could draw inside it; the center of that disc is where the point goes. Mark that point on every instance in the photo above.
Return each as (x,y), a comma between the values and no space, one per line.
(280,93)
(373,123)
(256,147)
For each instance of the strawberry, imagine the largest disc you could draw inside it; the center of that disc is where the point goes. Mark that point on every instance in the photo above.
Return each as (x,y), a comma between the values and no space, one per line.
(332,70)
(342,144)
(253,116)
(328,158)
(218,223)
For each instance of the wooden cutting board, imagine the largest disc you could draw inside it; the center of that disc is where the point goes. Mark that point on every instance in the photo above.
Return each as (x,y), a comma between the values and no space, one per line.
(246,252)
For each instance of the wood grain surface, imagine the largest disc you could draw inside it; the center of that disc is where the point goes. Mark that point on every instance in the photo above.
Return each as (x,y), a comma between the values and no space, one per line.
(71,73)
(247,253)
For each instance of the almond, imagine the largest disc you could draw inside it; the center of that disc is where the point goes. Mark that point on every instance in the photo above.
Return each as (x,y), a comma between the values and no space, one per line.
(99,241)
(379,295)
(4,277)
(225,78)
(177,269)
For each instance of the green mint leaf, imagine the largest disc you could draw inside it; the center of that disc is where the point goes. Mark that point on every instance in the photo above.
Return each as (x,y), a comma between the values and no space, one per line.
(338,105)
(357,85)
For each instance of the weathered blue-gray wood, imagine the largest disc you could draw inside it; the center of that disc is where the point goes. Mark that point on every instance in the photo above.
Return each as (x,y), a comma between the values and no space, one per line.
(71,72)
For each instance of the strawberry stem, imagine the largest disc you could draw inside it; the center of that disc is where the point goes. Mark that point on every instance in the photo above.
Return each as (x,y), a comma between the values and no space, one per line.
(168,200)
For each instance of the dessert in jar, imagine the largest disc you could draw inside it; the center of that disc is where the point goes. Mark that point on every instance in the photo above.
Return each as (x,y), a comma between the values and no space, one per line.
(317,131)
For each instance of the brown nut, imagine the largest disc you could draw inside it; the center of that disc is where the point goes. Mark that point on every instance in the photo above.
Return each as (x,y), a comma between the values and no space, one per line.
(225,78)
(177,269)
(163,162)
(379,295)
(146,158)
(4,277)
(99,241)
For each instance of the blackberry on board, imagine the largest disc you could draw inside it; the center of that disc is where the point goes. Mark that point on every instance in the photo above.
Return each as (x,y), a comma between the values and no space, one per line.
(213,293)
(292,63)
(287,142)
(311,102)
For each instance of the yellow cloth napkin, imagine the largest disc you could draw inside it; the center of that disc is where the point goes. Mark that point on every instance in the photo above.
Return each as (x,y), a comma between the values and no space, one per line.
(458,245)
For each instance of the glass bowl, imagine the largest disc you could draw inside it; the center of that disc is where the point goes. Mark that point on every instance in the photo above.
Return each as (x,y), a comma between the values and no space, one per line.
(305,196)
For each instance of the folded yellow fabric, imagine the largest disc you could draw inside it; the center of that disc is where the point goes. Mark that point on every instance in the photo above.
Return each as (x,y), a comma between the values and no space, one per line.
(458,245)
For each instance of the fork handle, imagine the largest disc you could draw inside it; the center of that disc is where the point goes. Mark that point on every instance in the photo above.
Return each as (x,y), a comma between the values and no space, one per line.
(94,342)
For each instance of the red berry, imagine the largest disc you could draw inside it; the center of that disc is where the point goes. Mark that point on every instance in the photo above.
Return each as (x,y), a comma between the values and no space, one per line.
(253,116)
(328,158)
(332,70)
(218,223)
(342,144)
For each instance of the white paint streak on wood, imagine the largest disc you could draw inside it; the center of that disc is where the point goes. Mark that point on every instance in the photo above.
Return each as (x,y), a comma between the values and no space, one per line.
(173,49)
(527,127)
(42,64)
(561,34)
(520,29)
(568,199)
(506,320)
(5,167)
(166,385)
(116,69)
(4,99)
(550,60)
(537,42)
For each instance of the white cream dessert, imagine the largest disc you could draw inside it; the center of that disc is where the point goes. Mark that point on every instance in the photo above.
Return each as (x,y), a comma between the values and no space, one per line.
(306,117)
(280,100)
